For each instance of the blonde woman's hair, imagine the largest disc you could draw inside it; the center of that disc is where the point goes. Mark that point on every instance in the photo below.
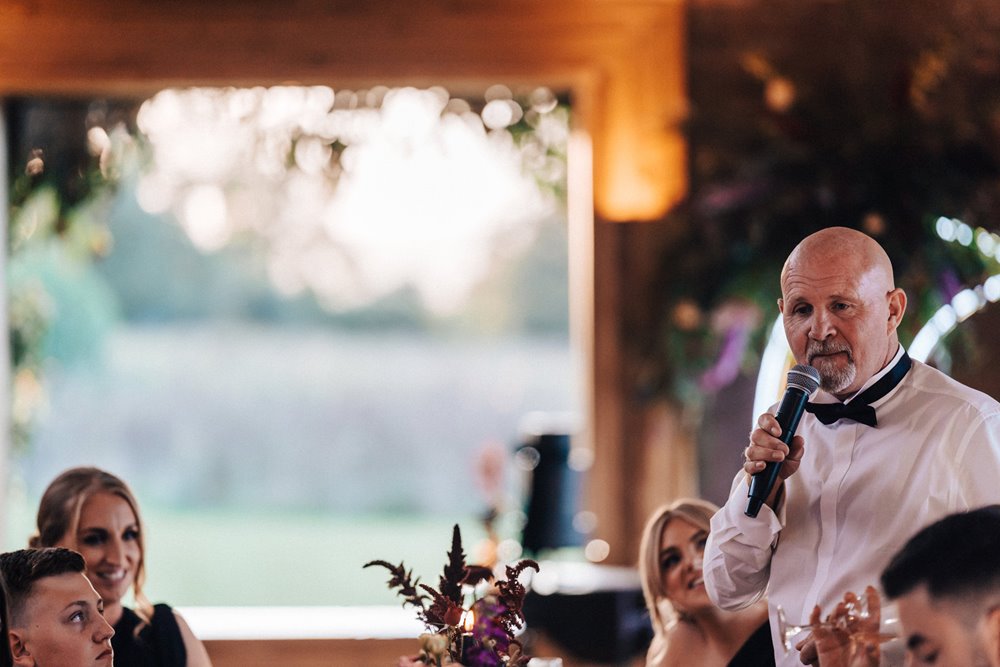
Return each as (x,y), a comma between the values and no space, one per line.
(693,510)
(59,517)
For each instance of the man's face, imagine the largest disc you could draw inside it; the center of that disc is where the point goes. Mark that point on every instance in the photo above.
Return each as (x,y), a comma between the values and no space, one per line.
(63,626)
(935,633)
(837,320)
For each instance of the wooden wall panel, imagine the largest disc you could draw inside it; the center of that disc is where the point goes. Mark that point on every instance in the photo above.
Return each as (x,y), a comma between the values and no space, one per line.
(351,653)
(632,49)
(308,652)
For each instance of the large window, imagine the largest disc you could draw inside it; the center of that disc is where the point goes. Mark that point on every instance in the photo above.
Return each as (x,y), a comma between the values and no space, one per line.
(305,325)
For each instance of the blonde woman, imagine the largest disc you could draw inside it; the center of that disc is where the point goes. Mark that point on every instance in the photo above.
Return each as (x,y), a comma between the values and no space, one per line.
(689,631)
(95,513)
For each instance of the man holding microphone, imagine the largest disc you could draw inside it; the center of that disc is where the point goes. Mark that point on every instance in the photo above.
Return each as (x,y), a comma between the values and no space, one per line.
(886,446)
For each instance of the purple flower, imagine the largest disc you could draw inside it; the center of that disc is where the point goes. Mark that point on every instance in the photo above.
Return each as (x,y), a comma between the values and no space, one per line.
(489,641)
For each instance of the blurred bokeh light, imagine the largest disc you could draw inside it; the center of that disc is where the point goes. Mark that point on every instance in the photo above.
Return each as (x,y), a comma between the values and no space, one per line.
(356,194)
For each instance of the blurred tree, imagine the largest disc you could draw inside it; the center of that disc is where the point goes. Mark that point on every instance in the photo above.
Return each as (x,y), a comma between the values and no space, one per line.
(527,293)
(60,167)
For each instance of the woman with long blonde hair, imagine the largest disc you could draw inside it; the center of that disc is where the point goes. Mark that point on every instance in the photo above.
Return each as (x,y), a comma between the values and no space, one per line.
(95,513)
(688,630)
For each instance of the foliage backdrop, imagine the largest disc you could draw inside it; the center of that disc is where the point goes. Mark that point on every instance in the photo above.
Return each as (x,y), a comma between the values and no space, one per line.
(878,116)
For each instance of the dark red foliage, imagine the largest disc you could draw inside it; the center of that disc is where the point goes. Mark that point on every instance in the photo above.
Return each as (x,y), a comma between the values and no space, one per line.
(407,586)
(443,611)
(511,595)
(454,570)
(476,573)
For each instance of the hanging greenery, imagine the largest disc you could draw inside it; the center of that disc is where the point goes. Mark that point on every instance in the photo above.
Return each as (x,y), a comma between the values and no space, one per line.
(62,177)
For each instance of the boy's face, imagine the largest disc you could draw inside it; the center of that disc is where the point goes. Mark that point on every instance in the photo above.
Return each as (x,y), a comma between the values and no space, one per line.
(936,633)
(63,625)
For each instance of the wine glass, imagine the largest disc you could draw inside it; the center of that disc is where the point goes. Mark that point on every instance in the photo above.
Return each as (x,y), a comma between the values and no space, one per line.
(854,621)
(788,631)
(864,631)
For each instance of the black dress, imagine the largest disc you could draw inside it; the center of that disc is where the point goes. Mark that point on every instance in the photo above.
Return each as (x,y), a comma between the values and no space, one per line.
(158,644)
(757,650)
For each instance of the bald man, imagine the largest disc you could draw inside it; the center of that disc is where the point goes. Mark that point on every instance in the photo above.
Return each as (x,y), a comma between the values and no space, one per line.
(888,445)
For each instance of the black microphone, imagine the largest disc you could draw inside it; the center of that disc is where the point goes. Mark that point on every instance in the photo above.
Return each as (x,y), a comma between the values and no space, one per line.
(801,383)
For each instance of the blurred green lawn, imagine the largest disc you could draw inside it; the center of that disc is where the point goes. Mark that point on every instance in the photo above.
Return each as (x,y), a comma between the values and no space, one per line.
(235,558)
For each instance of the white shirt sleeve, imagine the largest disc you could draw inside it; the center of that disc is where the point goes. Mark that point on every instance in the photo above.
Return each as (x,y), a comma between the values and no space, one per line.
(737,561)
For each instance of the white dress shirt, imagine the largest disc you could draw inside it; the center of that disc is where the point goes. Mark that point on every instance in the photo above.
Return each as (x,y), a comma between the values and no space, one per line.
(857,497)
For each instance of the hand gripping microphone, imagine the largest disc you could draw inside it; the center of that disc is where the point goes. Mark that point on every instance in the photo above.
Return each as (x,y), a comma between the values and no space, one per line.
(801,383)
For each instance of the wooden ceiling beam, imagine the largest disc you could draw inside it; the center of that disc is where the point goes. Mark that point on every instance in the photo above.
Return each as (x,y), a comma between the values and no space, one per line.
(626,55)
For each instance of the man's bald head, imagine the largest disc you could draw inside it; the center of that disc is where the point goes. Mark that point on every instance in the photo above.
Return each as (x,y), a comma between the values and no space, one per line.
(855,250)
(841,308)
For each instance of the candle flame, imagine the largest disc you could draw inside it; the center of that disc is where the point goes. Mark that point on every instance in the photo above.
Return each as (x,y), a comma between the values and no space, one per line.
(469,621)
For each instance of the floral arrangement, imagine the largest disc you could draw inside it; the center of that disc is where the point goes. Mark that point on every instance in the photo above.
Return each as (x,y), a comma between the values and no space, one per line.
(480,635)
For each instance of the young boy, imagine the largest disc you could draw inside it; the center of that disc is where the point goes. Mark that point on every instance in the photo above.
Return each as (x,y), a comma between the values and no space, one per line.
(53,615)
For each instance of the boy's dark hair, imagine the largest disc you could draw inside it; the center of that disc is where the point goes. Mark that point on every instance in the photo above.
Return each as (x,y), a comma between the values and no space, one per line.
(6,659)
(953,557)
(22,568)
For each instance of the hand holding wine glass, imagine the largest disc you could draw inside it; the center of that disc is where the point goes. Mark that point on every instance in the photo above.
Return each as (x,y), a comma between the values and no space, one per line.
(850,637)
(841,624)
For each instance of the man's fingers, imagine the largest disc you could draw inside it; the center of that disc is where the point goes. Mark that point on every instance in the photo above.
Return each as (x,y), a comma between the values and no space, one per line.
(765,447)
(760,453)
(873,600)
(808,655)
(796,448)
(769,424)
(874,604)
(756,457)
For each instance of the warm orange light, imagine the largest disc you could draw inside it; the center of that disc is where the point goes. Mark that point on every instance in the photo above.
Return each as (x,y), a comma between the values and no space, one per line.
(640,163)
(469,621)
(643,174)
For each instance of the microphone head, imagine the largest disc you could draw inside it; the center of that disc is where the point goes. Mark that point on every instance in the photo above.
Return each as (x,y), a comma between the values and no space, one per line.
(803,377)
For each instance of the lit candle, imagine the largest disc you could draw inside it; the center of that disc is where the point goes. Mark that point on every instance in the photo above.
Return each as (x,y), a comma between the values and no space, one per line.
(468,623)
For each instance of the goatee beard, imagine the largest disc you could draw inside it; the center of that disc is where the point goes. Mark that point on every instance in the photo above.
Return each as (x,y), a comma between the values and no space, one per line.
(836,380)
(833,378)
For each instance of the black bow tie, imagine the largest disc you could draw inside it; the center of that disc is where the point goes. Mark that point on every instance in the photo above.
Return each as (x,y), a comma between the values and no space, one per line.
(858,409)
